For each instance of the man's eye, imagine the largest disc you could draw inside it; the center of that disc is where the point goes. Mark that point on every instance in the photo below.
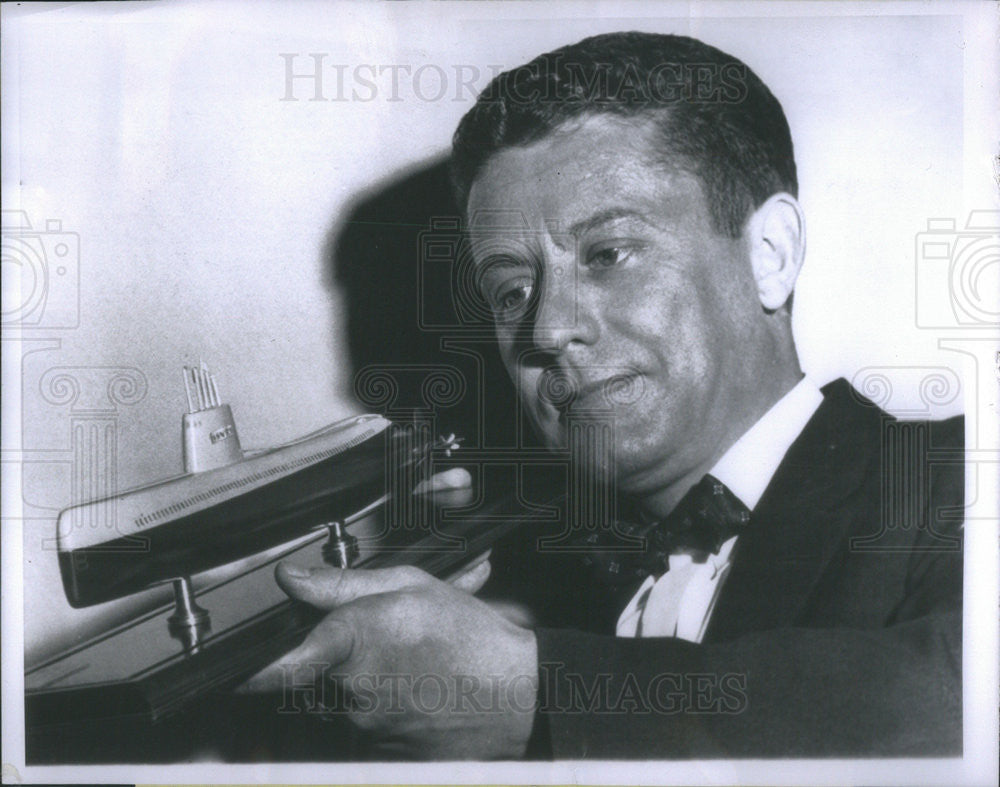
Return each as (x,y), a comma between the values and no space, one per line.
(510,300)
(609,257)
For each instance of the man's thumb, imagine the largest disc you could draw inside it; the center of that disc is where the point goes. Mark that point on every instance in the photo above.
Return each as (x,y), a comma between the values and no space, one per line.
(328,588)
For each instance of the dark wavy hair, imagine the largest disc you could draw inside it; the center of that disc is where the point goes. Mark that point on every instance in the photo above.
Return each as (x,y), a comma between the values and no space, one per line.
(712,115)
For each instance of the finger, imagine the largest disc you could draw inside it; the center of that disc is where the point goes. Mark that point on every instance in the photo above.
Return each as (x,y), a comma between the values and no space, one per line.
(455,478)
(474,578)
(327,588)
(327,646)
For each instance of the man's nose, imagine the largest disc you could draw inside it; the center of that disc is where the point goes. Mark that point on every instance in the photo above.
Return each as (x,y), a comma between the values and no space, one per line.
(561,318)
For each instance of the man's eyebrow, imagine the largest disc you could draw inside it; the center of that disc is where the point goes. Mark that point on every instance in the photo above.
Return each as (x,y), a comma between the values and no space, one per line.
(604,217)
(499,260)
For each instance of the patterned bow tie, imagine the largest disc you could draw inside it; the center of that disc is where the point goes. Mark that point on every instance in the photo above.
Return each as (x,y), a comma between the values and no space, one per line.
(705,518)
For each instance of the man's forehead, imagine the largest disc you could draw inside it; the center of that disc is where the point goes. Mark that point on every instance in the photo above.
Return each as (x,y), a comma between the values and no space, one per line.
(601,164)
(572,152)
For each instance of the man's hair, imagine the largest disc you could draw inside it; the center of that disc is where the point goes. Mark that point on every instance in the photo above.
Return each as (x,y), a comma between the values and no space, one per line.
(711,115)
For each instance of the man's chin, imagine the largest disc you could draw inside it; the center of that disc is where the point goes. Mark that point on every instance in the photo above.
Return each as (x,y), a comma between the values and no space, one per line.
(620,438)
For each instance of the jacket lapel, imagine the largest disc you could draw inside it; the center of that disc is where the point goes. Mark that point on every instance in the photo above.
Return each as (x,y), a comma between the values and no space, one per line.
(801,519)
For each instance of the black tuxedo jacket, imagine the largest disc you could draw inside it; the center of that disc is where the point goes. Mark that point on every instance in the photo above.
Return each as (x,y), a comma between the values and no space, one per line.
(837,633)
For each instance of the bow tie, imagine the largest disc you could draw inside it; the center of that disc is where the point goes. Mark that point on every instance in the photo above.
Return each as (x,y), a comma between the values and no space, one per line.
(705,518)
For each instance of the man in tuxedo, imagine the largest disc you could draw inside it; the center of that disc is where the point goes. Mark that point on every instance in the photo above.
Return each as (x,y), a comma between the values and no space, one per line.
(632,213)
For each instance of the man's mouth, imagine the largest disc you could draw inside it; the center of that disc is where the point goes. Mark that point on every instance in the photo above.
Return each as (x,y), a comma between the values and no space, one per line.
(608,393)
(566,393)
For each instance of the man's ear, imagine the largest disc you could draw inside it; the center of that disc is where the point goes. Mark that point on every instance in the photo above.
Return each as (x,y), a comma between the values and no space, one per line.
(776,235)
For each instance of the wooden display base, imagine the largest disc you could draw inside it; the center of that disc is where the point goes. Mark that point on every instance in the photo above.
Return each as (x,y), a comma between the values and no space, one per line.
(142,673)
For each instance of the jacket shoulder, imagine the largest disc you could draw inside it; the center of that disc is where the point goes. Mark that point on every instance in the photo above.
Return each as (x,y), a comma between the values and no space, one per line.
(847,401)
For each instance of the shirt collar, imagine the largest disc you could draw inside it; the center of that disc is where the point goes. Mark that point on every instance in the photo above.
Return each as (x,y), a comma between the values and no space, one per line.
(750,463)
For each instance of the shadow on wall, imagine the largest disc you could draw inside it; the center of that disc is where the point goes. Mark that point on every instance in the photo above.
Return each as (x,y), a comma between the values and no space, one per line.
(418,337)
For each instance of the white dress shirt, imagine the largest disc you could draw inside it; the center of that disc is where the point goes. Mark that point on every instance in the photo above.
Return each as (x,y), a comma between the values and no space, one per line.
(680,603)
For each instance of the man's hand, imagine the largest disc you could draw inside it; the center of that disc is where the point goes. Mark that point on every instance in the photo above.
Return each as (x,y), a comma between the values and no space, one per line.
(419,665)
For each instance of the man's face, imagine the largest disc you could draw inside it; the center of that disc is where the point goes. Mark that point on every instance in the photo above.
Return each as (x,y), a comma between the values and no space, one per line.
(604,271)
